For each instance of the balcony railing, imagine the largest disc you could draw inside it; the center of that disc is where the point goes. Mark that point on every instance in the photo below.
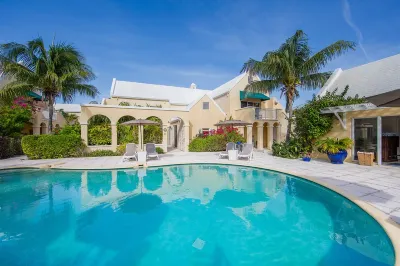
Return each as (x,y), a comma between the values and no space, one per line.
(266,114)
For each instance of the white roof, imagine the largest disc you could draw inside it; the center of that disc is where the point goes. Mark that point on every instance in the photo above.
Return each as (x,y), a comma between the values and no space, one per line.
(175,95)
(366,80)
(226,87)
(68,108)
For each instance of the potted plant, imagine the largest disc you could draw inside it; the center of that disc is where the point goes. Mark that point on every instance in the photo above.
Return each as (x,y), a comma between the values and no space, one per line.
(336,149)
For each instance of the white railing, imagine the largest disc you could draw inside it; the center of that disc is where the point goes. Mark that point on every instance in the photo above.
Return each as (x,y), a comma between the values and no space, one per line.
(266,114)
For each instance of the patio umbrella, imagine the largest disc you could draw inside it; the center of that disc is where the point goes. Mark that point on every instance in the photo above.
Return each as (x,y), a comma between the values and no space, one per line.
(232,123)
(140,123)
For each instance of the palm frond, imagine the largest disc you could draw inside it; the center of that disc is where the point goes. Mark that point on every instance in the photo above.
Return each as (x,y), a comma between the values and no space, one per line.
(14,89)
(314,81)
(321,58)
(264,86)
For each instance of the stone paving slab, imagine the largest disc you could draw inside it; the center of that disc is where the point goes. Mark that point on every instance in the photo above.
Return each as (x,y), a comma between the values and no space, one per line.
(379,186)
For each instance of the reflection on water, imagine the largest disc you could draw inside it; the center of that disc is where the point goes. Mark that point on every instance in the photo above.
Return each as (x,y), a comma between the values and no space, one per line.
(157,216)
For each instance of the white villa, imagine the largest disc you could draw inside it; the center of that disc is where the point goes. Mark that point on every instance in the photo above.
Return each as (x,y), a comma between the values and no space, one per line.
(185,112)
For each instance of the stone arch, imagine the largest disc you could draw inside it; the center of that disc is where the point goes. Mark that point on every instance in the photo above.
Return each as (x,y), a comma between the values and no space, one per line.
(176,134)
(43,128)
(126,133)
(153,133)
(99,130)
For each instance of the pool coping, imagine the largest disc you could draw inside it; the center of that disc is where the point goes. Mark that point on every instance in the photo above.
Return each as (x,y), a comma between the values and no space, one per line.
(391,228)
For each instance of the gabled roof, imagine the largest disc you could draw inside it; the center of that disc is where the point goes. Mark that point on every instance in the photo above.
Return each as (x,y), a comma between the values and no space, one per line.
(175,95)
(367,80)
(226,87)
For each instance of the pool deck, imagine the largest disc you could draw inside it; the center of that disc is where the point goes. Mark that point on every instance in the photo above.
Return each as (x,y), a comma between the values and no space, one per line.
(376,189)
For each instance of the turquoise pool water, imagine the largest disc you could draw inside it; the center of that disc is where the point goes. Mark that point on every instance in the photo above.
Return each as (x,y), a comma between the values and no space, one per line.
(181,215)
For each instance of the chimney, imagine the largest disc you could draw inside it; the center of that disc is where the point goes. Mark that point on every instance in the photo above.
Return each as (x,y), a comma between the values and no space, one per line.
(193,86)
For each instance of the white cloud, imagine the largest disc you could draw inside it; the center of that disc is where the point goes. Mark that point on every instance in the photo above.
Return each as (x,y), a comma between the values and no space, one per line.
(349,21)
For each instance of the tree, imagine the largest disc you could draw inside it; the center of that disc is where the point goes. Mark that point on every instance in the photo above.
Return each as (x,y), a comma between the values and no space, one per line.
(293,66)
(59,72)
(14,117)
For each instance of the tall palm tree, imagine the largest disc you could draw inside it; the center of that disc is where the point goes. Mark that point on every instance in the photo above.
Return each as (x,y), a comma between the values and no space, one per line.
(293,66)
(59,72)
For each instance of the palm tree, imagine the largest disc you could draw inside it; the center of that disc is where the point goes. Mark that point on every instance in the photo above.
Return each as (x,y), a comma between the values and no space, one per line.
(59,72)
(293,66)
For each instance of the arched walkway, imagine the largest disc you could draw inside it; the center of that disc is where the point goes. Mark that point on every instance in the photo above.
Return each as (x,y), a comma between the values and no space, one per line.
(265,135)
(126,133)
(153,133)
(277,132)
(99,130)
(176,134)
(255,139)
(43,129)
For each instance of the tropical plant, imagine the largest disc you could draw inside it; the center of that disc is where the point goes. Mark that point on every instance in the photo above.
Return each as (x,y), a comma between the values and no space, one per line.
(332,146)
(153,133)
(293,66)
(70,119)
(291,149)
(311,124)
(14,118)
(58,72)
(93,102)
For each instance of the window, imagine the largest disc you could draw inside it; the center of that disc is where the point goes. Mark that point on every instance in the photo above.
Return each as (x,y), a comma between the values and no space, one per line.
(245,104)
(206,105)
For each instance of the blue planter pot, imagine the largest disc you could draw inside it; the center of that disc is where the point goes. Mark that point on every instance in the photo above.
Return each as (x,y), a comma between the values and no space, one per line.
(337,158)
(306,159)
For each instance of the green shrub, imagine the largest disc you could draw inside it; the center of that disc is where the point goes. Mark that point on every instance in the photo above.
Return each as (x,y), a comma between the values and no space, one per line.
(52,146)
(208,144)
(100,153)
(74,129)
(10,147)
(159,150)
(99,134)
(291,150)
(215,142)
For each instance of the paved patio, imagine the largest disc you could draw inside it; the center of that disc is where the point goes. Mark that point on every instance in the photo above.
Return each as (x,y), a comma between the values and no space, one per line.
(379,186)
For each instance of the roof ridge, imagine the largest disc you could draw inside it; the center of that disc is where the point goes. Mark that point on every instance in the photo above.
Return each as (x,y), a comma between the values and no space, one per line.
(162,85)
(370,63)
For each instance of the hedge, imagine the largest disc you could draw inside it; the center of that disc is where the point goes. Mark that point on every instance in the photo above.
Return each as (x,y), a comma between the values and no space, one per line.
(10,147)
(214,142)
(52,146)
(101,153)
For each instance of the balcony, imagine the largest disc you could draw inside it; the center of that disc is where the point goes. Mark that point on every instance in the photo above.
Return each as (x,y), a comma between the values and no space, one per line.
(266,114)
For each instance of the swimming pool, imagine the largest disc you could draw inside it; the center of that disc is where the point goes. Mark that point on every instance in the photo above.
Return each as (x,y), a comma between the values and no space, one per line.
(182,215)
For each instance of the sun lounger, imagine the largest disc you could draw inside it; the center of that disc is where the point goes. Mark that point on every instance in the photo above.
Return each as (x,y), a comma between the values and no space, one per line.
(247,152)
(229,146)
(151,151)
(130,152)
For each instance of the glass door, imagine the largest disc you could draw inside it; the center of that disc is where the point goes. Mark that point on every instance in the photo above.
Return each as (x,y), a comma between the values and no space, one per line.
(365,136)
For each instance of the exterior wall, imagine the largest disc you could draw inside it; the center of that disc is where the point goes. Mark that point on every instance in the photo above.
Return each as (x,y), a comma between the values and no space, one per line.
(338,132)
(133,102)
(200,118)
(38,118)
(224,102)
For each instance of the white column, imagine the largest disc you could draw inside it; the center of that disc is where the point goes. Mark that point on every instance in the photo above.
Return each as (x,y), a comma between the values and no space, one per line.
(278,133)
(36,130)
(165,137)
(379,141)
(114,136)
(260,139)
(270,132)
(186,132)
(84,133)
(249,134)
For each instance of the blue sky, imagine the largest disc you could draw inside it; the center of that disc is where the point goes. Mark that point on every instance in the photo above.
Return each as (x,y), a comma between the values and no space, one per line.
(177,42)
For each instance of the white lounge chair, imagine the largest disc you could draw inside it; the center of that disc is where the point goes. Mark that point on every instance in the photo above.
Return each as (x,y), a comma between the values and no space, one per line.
(130,152)
(247,152)
(229,146)
(151,151)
